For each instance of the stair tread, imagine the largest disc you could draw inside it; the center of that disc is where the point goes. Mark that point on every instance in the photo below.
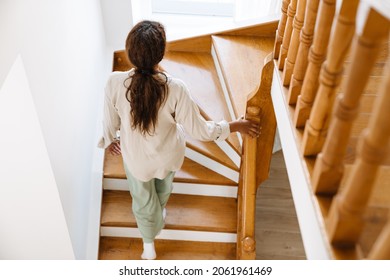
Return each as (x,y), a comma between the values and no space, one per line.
(184,212)
(117,248)
(190,172)
(244,69)
(198,71)
(212,151)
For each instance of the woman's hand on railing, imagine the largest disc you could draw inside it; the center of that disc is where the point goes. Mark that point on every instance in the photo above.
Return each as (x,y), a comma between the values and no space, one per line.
(245,127)
(115,148)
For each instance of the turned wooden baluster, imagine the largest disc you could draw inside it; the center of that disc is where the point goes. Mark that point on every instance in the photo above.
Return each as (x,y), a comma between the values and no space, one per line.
(329,167)
(330,79)
(294,42)
(345,220)
(287,33)
(381,248)
(316,57)
(281,28)
(301,62)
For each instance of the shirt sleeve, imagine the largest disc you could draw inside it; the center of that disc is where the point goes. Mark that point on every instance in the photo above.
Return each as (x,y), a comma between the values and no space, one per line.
(111,120)
(188,115)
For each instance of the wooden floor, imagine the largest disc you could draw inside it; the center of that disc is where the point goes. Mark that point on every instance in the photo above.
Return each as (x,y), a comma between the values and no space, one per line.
(277,231)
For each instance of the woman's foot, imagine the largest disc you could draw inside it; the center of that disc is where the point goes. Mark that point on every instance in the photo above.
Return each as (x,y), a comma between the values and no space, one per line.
(164,213)
(149,252)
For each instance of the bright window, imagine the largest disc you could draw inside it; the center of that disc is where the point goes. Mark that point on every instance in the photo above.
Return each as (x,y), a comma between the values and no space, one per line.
(224,8)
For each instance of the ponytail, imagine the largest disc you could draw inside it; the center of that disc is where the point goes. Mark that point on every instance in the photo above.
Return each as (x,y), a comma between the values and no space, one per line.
(145,47)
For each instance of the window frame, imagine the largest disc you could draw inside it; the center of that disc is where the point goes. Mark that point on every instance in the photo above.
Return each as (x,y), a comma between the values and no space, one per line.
(195,7)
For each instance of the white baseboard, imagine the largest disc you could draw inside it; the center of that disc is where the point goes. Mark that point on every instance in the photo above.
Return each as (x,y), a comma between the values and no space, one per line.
(311,225)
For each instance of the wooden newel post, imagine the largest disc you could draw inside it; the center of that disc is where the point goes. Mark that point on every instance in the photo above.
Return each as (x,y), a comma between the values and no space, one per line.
(328,168)
(248,191)
(306,39)
(316,58)
(287,33)
(294,43)
(345,220)
(281,28)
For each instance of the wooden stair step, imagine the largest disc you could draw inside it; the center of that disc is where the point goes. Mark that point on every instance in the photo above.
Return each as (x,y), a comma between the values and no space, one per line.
(198,71)
(241,59)
(184,212)
(117,248)
(190,172)
(212,151)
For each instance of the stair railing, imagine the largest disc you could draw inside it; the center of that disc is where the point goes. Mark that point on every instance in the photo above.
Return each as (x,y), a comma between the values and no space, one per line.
(317,55)
(255,161)
(345,219)
(328,122)
(287,33)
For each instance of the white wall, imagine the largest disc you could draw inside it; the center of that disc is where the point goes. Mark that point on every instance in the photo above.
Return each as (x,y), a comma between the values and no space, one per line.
(33,225)
(62,45)
(118,20)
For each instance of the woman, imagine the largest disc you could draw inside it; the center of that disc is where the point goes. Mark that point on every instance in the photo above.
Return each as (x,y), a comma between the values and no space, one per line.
(152,109)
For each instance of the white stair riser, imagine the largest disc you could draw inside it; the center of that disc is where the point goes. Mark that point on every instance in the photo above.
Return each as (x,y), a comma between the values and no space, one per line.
(180,188)
(168,234)
(212,164)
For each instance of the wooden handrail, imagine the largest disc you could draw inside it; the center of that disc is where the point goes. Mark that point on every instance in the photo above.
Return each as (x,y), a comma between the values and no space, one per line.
(294,42)
(255,161)
(316,57)
(281,27)
(365,50)
(306,39)
(345,220)
(287,33)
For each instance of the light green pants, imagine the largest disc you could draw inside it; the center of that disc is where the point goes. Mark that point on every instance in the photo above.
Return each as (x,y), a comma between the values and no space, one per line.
(149,199)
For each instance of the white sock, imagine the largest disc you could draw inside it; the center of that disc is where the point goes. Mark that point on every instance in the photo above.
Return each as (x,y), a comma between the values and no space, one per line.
(164,213)
(149,252)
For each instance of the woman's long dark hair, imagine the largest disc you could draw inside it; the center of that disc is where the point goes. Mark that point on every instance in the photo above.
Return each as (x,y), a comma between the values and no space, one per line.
(145,48)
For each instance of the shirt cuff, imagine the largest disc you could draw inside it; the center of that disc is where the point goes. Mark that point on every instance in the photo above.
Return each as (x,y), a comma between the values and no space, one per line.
(224,128)
(103,144)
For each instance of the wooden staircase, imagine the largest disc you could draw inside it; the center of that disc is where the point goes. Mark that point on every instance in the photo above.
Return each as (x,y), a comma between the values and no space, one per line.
(223,73)
(337,152)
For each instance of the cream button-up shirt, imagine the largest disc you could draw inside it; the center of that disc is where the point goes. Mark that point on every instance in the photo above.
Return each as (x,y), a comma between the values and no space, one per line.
(154,156)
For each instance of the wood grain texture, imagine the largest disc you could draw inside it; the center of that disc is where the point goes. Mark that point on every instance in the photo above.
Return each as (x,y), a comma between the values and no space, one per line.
(277,229)
(281,29)
(294,42)
(190,172)
(212,151)
(114,248)
(287,33)
(241,59)
(316,57)
(306,39)
(366,48)
(203,43)
(266,29)
(184,212)
(198,72)
(195,44)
